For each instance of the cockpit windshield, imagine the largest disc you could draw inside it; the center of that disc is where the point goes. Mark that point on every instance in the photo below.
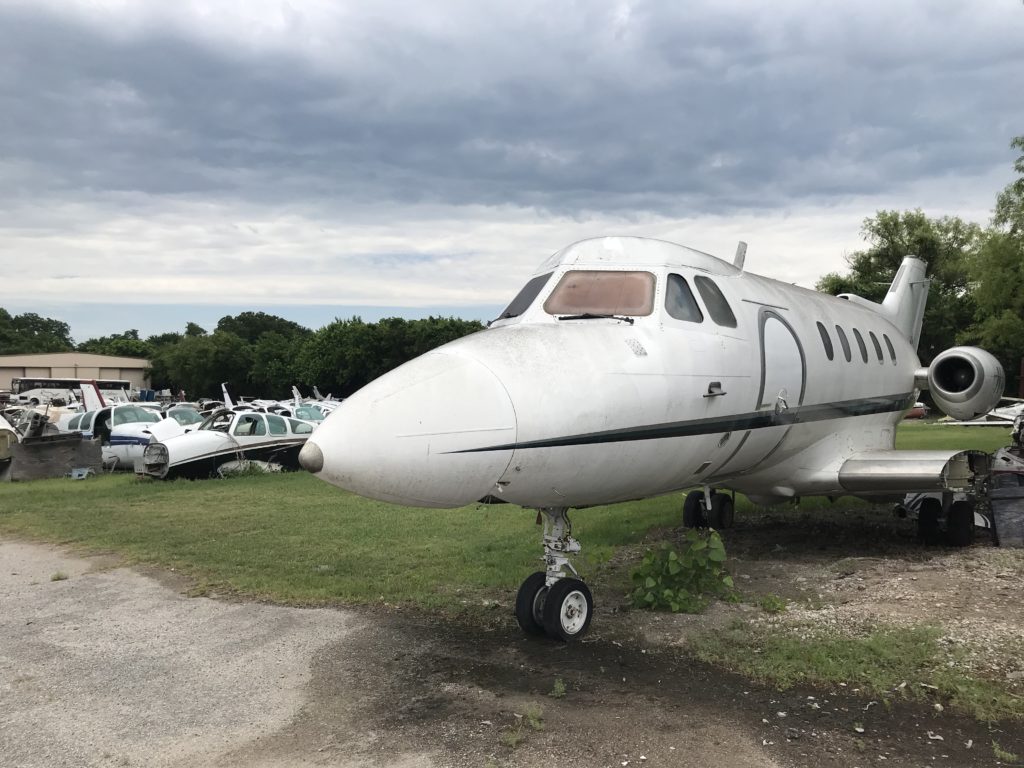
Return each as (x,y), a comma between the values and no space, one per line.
(525,297)
(602,293)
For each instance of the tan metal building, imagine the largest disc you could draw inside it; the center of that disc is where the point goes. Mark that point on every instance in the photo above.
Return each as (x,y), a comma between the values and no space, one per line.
(74,365)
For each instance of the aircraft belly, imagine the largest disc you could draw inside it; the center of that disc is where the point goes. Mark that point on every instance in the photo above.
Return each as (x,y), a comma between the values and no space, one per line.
(604,473)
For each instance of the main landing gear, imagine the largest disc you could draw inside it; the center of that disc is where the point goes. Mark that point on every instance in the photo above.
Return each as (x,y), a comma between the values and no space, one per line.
(550,601)
(708,509)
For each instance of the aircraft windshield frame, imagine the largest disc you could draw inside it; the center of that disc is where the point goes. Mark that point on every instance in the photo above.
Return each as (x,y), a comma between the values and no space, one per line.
(526,296)
(603,293)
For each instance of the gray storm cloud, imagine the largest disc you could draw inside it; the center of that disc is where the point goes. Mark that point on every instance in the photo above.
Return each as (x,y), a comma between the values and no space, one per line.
(646,108)
(419,155)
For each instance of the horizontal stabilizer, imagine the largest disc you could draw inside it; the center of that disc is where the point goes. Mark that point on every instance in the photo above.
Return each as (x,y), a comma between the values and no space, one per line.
(888,472)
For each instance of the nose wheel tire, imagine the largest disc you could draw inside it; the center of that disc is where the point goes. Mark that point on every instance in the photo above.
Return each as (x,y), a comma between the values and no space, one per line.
(568,609)
(530,603)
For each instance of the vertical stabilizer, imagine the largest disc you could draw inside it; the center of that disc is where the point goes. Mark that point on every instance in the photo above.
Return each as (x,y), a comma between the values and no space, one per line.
(91,396)
(227,397)
(905,302)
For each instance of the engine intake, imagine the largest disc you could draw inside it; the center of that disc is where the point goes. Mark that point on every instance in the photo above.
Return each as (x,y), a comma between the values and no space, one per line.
(965,382)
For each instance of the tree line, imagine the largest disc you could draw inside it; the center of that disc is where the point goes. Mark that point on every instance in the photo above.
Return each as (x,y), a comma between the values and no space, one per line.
(976,297)
(257,354)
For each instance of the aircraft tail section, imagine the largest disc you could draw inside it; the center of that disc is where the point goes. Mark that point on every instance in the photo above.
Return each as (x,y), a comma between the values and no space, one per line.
(227,398)
(905,302)
(91,396)
(907,297)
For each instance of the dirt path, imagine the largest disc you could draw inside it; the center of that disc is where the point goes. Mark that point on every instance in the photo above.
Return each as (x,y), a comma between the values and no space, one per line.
(112,666)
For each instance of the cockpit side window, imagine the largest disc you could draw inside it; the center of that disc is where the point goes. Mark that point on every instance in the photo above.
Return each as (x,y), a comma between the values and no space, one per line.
(679,301)
(525,297)
(716,303)
(592,292)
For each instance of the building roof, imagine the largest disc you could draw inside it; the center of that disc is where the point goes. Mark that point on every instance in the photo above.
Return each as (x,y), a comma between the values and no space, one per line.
(70,359)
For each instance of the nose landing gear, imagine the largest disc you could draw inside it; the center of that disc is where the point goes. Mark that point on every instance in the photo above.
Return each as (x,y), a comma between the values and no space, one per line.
(550,601)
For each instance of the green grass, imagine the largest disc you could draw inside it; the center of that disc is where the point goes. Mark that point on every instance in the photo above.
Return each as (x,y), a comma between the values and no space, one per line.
(877,664)
(931,435)
(293,538)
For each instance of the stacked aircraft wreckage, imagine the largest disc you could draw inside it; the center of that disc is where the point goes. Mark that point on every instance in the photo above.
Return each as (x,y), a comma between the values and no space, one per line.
(164,441)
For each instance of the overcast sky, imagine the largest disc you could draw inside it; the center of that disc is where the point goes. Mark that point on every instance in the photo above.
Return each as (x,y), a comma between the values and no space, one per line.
(165,162)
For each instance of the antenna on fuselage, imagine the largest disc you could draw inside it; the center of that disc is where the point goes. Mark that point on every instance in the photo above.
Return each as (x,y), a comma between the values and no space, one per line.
(741,255)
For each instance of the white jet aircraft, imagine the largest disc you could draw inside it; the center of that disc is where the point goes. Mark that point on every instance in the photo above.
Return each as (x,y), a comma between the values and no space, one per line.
(628,368)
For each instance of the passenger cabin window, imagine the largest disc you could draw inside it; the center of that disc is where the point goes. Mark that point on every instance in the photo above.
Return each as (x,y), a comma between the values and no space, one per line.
(587,292)
(250,425)
(525,297)
(844,343)
(73,424)
(892,352)
(718,307)
(861,345)
(878,347)
(277,425)
(826,341)
(679,301)
(300,427)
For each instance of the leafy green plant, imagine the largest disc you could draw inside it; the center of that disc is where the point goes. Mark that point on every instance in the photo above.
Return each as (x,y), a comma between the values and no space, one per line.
(773,604)
(511,737)
(1002,754)
(558,690)
(535,717)
(58,576)
(683,581)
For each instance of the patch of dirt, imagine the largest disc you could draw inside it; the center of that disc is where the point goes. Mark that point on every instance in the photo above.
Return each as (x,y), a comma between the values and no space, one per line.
(459,694)
(411,690)
(848,572)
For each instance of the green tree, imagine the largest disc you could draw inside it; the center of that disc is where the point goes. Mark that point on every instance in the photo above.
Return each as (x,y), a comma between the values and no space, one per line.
(999,281)
(250,326)
(30,333)
(127,344)
(1009,213)
(345,355)
(947,244)
(274,365)
(198,364)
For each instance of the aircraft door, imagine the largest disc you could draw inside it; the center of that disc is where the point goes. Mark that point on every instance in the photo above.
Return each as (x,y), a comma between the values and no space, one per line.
(783,381)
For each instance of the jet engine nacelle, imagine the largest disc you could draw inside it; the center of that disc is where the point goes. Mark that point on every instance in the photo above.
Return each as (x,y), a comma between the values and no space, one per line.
(965,382)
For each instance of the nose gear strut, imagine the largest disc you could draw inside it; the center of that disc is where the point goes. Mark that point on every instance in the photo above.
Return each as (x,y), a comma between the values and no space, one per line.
(550,601)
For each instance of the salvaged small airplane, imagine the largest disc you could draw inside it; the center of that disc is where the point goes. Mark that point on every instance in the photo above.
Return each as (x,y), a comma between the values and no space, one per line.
(628,368)
(226,441)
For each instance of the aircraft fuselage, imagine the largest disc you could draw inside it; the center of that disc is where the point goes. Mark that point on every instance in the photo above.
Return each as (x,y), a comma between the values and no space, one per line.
(731,380)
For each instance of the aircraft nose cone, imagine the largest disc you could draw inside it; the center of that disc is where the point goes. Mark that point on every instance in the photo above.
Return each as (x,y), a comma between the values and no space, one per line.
(311,457)
(436,432)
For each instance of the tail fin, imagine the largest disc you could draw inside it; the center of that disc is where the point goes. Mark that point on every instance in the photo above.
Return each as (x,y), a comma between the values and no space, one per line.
(905,302)
(91,396)
(227,397)
(296,396)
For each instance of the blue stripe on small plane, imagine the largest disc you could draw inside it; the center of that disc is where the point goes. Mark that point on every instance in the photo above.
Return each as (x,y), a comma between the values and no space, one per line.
(128,440)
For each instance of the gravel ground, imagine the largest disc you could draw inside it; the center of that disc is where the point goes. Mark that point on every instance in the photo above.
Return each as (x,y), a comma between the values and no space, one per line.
(112,667)
(116,666)
(102,665)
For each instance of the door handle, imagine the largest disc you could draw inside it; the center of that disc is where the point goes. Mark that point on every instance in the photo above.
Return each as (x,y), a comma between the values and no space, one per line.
(714,390)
